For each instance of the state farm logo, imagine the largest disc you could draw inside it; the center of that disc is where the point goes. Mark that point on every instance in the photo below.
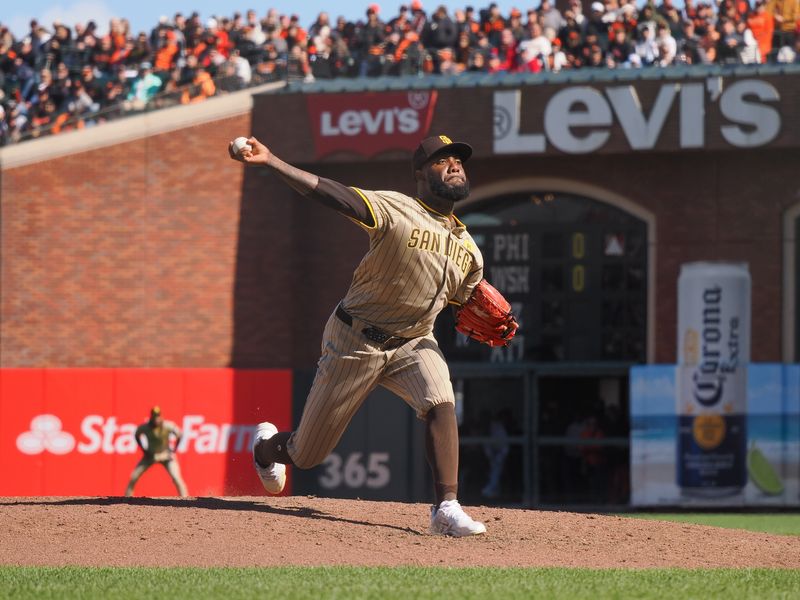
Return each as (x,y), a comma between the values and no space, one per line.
(45,434)
(100,434)
(370,123)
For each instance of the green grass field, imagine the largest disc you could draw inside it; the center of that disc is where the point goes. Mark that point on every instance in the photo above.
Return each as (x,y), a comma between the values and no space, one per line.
(780,523)
(411,582)
(384,583)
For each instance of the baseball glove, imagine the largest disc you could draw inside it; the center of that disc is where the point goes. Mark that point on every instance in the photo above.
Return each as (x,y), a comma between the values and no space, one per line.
(486,316)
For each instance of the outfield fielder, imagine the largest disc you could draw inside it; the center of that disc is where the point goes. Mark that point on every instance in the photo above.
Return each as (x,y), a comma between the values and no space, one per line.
(420,259)
(156,448)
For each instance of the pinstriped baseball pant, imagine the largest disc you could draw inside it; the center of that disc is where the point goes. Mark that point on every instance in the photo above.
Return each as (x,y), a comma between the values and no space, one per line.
(349,369)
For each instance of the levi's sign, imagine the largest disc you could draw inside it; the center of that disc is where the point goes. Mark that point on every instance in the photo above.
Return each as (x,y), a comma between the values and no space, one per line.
(369,123)
(583,119)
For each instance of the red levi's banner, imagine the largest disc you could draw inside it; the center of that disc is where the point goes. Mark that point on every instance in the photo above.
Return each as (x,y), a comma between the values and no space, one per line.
(370,123)
(68,432)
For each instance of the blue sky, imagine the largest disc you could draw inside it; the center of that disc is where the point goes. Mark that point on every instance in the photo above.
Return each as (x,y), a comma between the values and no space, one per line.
(143,14)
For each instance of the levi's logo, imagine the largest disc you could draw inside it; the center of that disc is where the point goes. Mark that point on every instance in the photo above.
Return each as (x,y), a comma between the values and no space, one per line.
(386,120)
(368,124)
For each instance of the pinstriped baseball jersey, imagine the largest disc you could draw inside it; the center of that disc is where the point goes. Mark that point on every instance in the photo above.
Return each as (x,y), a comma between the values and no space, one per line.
(415,265)
(417,262)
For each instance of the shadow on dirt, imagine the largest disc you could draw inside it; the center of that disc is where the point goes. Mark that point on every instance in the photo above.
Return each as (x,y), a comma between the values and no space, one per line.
(203,503)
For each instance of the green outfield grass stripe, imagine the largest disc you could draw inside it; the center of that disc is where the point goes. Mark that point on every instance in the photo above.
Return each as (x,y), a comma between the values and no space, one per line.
(390,583)
(780,523)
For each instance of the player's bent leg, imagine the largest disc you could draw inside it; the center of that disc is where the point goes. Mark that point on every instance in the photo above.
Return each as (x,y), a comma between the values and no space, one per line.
(174,470)
(272,474)
(347,372)
(138,471)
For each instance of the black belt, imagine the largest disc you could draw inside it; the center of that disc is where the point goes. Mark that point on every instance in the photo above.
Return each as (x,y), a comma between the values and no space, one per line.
(386,341)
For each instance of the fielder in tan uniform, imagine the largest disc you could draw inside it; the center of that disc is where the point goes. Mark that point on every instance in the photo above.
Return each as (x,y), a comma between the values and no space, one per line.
(157,450)
(421,258)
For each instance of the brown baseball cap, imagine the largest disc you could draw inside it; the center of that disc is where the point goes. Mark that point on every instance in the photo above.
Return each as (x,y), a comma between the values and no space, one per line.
(437,144)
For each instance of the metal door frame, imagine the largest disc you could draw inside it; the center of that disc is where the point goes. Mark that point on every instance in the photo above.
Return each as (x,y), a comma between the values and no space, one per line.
(530,372)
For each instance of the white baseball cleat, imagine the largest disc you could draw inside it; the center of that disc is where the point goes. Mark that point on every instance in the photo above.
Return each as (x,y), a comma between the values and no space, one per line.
(450,519)
(273,477)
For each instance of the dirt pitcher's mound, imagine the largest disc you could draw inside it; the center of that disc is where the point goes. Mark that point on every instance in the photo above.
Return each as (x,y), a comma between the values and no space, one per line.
(315,531)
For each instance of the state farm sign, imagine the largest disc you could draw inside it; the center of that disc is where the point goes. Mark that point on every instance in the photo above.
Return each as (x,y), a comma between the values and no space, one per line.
(104,434)
(370,123)
(70,432)
(583,119)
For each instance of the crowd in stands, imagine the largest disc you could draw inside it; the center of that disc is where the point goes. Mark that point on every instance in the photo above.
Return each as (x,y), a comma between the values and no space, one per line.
(57,78)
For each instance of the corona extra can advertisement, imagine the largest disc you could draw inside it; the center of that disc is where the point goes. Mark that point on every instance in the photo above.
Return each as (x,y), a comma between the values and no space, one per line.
(711,393)
(769,474)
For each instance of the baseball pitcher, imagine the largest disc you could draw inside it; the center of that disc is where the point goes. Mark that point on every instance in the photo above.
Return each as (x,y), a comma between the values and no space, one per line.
(420,260)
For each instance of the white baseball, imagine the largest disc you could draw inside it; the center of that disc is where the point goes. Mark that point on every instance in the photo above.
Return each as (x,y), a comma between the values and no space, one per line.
(240,144)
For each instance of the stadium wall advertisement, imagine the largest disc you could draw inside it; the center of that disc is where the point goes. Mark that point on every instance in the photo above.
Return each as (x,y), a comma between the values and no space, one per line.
(770,467)
(70,431)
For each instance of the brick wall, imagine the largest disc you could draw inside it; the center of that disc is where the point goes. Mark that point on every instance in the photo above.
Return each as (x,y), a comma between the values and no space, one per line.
(123,256)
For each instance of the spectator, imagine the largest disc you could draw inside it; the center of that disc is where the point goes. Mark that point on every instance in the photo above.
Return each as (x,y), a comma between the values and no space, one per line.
(369,43)
(297,66)
(646,48)
(241,68)
(576,8)
(689,49)
(620,49)
(709,42)
(667,46)
(144,88)
(595,25)
(729,44)
(4,128)
(323,21)
(493,24)
(628,20)
(550,16)
(557,59)
(166,56)
(400,23)
(504,57)
(571,30)
(94,87)
(466,23)
(786,14)
(410,55)
(440,32)
(62,83)
(418,17)
(749,53)
(464,49)
(535,50)
(515,25)
(761,23)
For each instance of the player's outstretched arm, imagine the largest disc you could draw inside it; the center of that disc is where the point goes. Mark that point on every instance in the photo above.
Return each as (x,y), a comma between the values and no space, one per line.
(326,191)
(258,154)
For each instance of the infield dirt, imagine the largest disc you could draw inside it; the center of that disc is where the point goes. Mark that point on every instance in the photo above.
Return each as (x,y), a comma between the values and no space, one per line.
(302,530)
